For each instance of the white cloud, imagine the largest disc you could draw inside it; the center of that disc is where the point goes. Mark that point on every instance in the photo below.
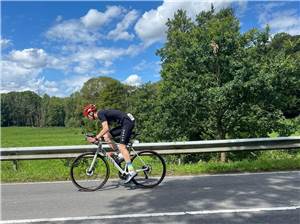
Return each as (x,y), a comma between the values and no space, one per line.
(52,88)
(90,67)
(4,43)
(280,20)
(84,29)
(73,83)
(151,27)
(133,80)
(14,72)
(71,31)
(84,67)
(120,33)
(16,77)
(141,66)
(102,55)
(59,18)
(33,58)
(241,8)
(29,58)
(286,21)
(95,19)
(22,70)
(148,67)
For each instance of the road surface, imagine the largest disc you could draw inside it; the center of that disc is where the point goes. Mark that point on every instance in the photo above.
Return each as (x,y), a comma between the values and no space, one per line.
(225,198)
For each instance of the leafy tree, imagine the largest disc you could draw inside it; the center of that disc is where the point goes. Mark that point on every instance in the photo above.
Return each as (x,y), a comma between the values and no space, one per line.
(73,109)
(55,115)
(143,105)
(287,47)
(5,115)
(20,109)
(218,83)
(178,102)
(105,92)
(44,110)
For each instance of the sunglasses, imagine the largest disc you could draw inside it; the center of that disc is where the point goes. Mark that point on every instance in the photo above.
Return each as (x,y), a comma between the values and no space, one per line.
(91,114)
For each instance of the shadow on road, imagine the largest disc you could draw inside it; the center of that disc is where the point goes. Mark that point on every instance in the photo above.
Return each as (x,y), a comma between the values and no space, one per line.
(213,193)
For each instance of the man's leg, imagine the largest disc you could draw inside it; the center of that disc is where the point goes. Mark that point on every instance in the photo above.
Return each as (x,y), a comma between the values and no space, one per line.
(131,172)
(108,139)
(126,131)
(125,153)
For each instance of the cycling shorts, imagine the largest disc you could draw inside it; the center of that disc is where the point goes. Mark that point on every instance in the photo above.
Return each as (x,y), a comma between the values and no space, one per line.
(124,131)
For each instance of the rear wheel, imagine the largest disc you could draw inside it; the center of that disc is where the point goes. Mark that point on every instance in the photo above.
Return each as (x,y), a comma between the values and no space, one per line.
(151,168)
(86,179)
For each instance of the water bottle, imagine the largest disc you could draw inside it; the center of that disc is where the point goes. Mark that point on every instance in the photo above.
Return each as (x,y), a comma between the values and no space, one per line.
(114,155)
(120,157)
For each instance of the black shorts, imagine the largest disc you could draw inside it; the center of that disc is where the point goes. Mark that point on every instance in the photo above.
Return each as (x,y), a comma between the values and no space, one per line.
(124,131)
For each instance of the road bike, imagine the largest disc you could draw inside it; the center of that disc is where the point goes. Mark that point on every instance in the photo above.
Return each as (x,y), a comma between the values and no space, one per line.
(90,171)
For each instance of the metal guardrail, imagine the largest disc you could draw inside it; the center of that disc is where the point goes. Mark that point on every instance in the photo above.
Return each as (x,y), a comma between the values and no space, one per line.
(229,145)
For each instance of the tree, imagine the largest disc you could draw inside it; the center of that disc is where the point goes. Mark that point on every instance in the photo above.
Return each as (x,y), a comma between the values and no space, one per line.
(218,83)
(20,109)
(178,102)
(105,92)
(73,110)
(287,47)
(44,110)
(55,112)
(143,105)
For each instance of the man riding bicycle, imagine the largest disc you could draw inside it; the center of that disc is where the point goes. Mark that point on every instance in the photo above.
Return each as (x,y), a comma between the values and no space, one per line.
(124,129)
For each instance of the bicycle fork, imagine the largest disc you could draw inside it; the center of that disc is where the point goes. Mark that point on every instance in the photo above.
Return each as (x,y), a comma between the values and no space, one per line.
(90,169)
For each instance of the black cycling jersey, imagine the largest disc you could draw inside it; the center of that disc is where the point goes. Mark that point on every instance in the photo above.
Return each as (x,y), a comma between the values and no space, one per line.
(112,116)
(125,123)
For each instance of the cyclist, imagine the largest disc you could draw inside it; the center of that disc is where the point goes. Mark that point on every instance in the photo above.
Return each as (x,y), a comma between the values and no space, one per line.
(125,123)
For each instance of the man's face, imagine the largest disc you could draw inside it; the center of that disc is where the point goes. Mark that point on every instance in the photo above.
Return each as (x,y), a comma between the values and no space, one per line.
(91,116)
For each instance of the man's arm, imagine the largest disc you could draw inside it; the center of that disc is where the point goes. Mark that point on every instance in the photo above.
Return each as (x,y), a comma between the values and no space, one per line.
(105,129)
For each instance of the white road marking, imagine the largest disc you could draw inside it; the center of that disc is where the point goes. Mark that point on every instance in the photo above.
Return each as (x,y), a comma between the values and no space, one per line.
(170,177)
(235,174)
(145,215)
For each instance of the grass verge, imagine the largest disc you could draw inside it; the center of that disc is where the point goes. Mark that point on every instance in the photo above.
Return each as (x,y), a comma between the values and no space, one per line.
(59,169)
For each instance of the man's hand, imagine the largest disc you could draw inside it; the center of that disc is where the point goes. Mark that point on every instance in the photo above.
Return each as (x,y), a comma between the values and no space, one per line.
(98,136)
(91,139)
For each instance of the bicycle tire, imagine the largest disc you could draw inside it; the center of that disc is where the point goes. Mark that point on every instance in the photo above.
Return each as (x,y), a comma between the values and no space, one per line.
(80,177)
(155,160)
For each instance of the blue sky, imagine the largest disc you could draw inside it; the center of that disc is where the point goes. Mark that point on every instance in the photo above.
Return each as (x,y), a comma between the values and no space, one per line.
(54,47)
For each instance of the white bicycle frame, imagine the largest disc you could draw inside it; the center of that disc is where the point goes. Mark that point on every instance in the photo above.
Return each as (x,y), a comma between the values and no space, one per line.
(113,161)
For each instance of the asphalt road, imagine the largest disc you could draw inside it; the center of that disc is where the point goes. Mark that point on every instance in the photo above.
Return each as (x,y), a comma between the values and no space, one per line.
(234,198)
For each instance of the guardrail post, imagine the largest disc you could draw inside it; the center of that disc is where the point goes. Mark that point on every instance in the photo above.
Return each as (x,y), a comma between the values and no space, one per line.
(223,157)
(15,165)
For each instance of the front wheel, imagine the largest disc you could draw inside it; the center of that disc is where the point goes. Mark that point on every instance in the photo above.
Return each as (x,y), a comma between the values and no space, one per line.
(151,168)
(86,177)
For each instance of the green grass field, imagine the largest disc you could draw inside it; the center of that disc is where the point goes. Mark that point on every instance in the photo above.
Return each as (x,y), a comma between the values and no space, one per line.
(58,169)
(27,136)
